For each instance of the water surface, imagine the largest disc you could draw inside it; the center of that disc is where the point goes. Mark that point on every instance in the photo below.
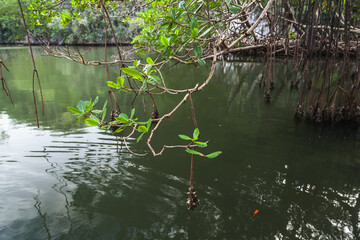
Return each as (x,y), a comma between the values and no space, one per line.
(67,181)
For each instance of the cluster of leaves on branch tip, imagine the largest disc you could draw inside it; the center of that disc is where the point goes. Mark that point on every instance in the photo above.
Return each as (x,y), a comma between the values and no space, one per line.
(139,72)
(86,113)
(194,140)
(180,28)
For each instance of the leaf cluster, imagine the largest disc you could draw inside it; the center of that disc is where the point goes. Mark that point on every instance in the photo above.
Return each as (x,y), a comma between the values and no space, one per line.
(144,73)
(194,140)
(85,112)
(182,27)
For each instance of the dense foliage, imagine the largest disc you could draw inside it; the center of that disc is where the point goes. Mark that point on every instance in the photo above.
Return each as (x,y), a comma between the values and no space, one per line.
(63,22)
(11,28)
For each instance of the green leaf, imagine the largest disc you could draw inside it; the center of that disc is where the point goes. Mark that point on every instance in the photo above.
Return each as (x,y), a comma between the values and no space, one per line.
(184,137)
(103,111)
(96,112)
(95,101)
(120,129)
(198,49)
(139,138)
(164,41)
(214,154)
(193,23)
(194,152)
(142,129)
(132,113)
(196,134)
(206,32)
(235,8)
(111,84)
(120,81)
(148,125)
(136,63)
(199,8)
(132,72)
(122,119)
(173,14)
(81,106)
(201,144)
(182,46)
(75,110)
(92,122)
(89,106)
(194,33)
(95,118)
(124,116)
(150,61)
(201,62)
(155,78)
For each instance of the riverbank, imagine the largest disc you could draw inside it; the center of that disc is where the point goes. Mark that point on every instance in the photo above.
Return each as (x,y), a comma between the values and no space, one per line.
(36,43)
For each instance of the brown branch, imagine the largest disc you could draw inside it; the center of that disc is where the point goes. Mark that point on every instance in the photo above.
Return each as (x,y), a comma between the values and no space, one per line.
(168,115)
(35,72)
(192,155)
(3,82)
(111,93)
(250,30)
(137,154)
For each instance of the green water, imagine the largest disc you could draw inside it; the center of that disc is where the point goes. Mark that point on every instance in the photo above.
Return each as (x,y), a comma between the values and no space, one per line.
(67,181)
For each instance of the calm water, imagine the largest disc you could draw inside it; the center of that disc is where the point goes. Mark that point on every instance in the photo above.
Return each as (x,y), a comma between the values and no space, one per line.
(67,181)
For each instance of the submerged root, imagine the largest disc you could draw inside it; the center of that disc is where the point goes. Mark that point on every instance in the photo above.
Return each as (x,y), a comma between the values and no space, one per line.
(271,85)
(310,113)
(193,200)
(267,96)
(319,116)
(326,115)
(299,112)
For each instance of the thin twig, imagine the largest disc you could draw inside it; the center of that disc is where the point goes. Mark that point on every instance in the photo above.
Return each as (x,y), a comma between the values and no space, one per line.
(35,71)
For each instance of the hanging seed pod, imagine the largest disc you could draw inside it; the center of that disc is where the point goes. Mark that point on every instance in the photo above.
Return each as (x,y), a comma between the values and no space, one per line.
(114,114)
(154,114)
(193,200)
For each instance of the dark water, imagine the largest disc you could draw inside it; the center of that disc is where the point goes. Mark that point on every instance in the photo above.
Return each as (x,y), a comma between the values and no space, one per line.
(67,181)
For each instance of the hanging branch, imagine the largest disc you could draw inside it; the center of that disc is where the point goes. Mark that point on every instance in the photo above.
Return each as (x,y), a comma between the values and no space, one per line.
(122,63)
(3,82)
(111,93)
(168,115)
(158,121)
(35,71)
(193,200)
(113,33)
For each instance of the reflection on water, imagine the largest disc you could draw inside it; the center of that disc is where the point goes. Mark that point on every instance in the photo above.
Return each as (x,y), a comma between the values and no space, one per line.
(74,182)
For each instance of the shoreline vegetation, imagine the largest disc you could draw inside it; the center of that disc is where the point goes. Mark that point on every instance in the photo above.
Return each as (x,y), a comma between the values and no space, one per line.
(97,44)
(250,50)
